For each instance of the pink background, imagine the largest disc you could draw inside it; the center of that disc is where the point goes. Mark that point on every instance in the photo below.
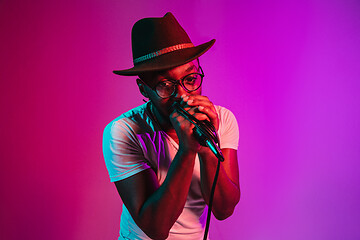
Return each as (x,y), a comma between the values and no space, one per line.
(289,70)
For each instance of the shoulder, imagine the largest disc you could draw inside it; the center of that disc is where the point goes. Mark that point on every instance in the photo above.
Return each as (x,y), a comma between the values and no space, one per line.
(225,115)
(228,128)
(122,145)
(132,120)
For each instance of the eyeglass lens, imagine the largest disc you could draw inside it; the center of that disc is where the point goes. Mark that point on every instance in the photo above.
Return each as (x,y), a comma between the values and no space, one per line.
(190,83)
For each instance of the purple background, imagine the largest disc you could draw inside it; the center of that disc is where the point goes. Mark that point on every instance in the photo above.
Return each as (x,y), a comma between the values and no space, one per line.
(289,70)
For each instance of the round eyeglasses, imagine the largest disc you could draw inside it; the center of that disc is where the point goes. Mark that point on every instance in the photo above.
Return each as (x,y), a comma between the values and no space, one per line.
(189,83)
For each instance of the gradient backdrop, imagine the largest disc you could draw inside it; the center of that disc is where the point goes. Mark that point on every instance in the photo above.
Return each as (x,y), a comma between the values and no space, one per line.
(289,70)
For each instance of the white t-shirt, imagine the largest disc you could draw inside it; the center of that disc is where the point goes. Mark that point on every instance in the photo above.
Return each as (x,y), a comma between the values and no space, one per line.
(134,142)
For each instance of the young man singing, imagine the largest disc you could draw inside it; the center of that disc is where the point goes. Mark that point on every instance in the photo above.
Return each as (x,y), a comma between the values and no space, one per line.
(161,171)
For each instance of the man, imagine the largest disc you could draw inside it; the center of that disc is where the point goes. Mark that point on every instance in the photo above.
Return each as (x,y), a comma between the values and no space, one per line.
(162,173)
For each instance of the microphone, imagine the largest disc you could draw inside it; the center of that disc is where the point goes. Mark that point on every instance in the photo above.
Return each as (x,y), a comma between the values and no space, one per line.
(204,131)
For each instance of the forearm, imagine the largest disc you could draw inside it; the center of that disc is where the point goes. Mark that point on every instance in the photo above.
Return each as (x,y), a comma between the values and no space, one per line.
(227,191)
(160,211)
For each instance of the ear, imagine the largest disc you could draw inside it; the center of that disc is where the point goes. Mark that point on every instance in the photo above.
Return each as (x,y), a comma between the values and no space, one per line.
(141,86)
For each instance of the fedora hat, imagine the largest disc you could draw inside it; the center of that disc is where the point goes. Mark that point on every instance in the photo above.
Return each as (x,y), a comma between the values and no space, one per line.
(159,44)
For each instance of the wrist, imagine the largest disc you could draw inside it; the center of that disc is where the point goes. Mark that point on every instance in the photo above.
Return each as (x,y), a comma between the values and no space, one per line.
(187,151)
(206,154)
(204,151)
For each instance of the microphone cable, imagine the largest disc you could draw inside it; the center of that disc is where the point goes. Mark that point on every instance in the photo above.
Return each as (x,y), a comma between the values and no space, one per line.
(211,200)
(206,134)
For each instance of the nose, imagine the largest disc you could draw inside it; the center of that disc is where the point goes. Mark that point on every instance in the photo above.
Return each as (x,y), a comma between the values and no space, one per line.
(179,91)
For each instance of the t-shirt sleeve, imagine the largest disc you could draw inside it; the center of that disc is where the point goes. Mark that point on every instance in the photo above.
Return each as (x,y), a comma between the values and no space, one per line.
(228,129)
(122,151)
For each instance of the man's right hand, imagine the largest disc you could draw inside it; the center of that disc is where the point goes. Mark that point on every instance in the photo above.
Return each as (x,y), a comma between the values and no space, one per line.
(184,131)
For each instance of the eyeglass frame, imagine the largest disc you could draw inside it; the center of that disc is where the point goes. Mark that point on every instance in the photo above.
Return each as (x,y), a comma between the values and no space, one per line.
(179,82)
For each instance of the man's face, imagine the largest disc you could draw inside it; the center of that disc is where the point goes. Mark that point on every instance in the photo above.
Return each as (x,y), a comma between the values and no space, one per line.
(163,105)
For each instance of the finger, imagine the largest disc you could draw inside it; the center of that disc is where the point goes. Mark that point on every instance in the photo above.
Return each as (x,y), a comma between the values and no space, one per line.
(198,100)
(202,117)
(191,99)
(203,105)
(209,112)
(194,111)
(213,116)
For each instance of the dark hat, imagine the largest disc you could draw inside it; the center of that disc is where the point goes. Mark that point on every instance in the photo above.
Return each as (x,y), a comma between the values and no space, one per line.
(159,44)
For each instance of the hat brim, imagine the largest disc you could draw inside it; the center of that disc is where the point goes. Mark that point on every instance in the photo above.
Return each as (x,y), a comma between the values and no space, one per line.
(168,60)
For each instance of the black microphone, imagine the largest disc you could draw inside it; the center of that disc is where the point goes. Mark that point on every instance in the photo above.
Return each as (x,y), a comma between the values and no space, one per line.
(204,131)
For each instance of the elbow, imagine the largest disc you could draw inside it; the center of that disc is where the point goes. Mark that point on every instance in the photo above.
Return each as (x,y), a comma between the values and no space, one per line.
(157,235)
(155,226)
(225,212)
(158,232)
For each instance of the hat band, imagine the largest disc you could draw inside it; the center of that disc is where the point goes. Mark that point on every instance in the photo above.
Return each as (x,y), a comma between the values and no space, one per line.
(162,51)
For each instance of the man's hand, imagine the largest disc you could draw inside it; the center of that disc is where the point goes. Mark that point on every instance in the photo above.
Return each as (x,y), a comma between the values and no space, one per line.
(202,108)
(184,132)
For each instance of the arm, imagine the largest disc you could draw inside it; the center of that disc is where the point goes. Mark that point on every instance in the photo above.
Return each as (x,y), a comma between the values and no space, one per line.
(155,208)
(227,192)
